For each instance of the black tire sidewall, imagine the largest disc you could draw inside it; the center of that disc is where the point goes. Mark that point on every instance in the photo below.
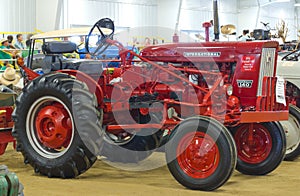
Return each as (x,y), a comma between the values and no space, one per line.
(24,108)
(226,150)
(78,157)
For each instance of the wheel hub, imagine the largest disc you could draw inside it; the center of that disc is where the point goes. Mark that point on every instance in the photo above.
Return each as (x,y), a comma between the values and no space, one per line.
(53,125)
(199,155)
(256,148)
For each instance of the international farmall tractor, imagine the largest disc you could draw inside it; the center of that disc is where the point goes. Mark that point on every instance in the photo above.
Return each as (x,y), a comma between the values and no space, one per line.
(210,106)
(7,101)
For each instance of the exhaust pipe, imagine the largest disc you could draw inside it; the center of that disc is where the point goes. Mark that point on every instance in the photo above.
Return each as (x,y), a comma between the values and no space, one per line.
(216,20)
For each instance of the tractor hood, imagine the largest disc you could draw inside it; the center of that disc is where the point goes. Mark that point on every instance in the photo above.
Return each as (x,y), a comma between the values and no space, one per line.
(204,51)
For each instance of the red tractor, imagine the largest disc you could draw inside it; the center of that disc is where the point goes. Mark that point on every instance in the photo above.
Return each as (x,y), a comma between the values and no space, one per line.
(210,106)
(7,97)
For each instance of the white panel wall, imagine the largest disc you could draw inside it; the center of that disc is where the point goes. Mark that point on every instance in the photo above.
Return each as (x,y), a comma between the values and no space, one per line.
(286,13)
(193,19)
(167,13)
(228,12)
(84,12)
(247,19)
(194,13)
(251,14)
(46,12)
(28,15)
(17,15)
(136,16)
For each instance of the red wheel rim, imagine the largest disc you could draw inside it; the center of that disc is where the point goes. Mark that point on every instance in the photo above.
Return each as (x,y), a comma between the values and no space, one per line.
(198,155)
(256,149)
(53,126)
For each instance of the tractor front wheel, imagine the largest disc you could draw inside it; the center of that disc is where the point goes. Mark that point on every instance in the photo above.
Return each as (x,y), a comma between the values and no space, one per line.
(260,146)
(201,153)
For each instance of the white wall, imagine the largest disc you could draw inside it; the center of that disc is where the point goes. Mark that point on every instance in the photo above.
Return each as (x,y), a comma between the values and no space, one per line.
(286,13)
(46,14)
(167,13)
(17,15)
(124,14)
(194,13)
(28,15)
(246,19)
(251,14)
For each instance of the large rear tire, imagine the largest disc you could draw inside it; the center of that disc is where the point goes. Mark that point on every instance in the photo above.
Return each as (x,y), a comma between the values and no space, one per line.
(201,153)
(262,152)
(57,126)
(292,130)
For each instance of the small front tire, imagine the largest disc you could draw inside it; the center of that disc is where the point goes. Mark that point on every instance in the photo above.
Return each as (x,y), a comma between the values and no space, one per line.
(201,153)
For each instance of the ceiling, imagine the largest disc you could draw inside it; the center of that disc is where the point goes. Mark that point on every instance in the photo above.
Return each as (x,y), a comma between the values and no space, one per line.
(136,2)
(207,4)
(240,4)
(270,3)
(197,5)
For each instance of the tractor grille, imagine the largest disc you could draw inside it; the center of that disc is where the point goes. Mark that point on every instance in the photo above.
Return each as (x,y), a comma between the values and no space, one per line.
(266,67)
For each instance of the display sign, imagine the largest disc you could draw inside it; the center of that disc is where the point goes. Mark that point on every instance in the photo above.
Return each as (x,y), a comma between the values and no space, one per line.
(280,95)
(248,63)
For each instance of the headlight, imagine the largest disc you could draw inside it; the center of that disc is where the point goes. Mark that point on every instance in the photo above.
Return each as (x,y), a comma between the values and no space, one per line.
(229,89)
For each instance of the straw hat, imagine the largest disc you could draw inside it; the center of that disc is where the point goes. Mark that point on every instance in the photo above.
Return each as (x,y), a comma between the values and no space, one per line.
(3,40)
(9,77)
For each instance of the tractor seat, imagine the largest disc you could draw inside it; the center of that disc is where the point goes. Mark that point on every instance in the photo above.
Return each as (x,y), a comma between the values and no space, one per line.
(58,47)
(54,59)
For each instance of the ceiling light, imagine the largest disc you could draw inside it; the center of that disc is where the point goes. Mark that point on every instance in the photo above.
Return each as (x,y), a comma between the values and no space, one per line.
(297,4)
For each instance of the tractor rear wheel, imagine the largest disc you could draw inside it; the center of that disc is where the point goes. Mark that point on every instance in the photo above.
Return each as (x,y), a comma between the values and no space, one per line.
(57,126)
(260,151)
(133,149)
(201,153)
(292,130)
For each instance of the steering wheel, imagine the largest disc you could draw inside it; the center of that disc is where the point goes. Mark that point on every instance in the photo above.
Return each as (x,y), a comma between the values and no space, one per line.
(292,56)
(106,28)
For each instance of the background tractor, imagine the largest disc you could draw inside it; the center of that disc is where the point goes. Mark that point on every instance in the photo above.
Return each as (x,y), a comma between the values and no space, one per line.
(288,67)
(210,106)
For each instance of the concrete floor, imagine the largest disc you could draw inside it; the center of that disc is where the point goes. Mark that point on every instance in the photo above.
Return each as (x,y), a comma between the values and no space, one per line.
(104,179)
